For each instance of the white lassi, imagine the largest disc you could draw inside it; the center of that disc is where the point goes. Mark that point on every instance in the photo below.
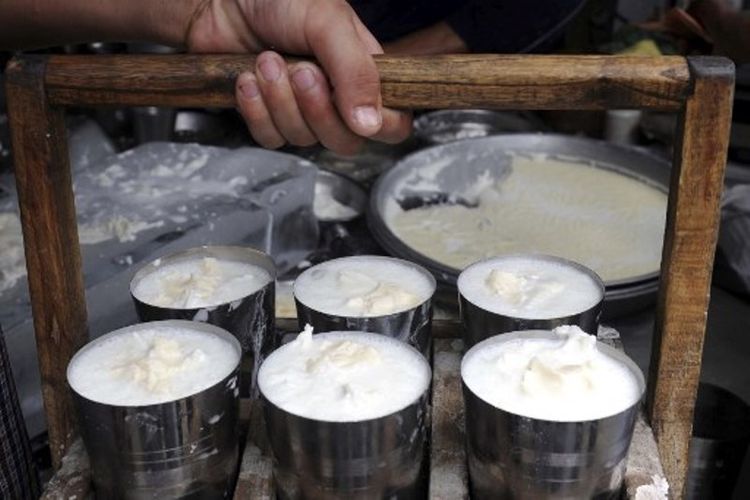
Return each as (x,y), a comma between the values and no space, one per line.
(343,376)
(610,222)
(151,364)
(561,376)
(363,286)
(529,287)
(200,282)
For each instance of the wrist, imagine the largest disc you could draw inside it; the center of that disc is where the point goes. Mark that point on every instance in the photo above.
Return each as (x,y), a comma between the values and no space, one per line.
(220,26)
(167,22)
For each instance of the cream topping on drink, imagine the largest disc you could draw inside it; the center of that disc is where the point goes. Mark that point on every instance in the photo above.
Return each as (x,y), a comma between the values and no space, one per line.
(363,287)
(343,376)
(529,287)
(200,282)
(151,365)
(560,376)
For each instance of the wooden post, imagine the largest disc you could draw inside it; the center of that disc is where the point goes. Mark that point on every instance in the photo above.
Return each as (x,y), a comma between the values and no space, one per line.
(50,234)
(687,262)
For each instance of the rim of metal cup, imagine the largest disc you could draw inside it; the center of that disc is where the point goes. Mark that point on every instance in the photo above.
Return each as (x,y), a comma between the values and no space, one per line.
(181,323)
(547,334)
(415,266)
(543,257)
(344,334)
(234,253)
(429,126)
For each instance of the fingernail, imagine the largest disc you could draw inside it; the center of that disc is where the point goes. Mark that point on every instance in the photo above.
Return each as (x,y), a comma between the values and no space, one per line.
(367,117)
(270,70)
(303,79)
(249,89)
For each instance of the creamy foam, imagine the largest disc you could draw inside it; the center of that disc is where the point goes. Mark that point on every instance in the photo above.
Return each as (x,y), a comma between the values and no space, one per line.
(542,204)
(200,282)
(561,376)
(528,287)
(151,364)
(363,286)
(343,376)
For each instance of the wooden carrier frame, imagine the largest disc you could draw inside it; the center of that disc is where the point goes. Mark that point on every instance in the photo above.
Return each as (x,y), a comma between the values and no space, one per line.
(700,89)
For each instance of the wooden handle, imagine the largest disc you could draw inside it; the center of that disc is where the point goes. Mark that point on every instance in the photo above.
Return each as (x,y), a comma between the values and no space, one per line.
(453,81)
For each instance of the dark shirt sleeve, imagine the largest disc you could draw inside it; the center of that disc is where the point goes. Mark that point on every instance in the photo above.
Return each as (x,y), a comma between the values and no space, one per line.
(510,26)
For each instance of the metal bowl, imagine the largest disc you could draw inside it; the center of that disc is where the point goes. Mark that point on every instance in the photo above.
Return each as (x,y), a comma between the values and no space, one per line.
(344,191)
(448,125)
(624,295)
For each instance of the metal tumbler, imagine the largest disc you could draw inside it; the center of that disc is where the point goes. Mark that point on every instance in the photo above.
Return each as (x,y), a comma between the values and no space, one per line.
(479,323)
(358,460)
(250,318)
(413,326)
(516,457)
(721,436)
(187,448)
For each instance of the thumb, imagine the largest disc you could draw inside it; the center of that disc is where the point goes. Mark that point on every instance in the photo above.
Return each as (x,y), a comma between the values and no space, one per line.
(344,46)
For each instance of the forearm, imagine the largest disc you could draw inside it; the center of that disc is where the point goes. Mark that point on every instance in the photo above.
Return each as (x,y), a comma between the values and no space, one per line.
(39,23)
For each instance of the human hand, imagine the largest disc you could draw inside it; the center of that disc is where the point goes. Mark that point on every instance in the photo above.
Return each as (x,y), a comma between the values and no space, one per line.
(296,103)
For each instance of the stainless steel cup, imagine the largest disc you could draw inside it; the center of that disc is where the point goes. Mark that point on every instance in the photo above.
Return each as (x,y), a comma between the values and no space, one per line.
(364,460)
(512,456)
(479,324)
(185,449)
(250,318)
(721,436)
(413,326)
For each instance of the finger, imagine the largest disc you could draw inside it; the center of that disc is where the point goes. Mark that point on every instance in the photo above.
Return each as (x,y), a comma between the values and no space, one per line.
(314,100)
(254,111)
(396,126)
(273,80)
(346,58)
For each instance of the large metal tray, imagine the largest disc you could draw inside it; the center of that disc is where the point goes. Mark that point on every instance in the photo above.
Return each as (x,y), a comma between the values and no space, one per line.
(623,296)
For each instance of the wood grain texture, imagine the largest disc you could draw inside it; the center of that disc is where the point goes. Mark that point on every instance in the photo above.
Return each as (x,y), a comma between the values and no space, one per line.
(255,479)
(449,477)
(687,261)
(73,479)
(451,81)
(50,233)
(643,459)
